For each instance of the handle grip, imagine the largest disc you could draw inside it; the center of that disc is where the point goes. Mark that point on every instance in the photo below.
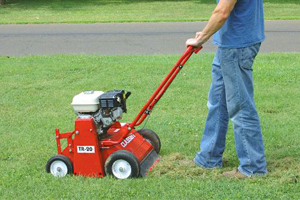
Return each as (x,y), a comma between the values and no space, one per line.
(194,49)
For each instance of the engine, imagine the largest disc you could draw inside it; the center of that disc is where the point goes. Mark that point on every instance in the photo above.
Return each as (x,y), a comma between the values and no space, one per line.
(104,108)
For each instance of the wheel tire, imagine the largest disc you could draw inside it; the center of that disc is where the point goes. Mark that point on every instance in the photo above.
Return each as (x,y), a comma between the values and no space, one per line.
(152,138)
(59,166)
(122,165)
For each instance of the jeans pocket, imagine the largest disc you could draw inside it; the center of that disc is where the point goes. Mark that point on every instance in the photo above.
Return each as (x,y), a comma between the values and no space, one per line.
(227,56)
(248,56)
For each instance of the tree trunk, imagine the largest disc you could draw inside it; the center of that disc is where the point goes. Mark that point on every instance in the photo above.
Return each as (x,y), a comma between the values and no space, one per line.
(2,2)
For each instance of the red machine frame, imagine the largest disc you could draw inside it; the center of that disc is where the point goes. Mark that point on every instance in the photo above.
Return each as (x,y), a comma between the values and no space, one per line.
(121,137)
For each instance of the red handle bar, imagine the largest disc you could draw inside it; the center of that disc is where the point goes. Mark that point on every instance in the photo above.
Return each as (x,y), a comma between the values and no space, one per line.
(163,86)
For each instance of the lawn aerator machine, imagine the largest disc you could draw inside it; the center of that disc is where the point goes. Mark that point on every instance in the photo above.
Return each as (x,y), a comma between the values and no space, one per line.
(100,145)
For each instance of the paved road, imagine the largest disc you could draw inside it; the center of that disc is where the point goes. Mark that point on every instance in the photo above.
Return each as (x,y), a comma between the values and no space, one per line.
(127,38)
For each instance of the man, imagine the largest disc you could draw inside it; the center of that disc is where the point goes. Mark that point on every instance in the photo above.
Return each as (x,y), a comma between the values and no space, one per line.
(238,29)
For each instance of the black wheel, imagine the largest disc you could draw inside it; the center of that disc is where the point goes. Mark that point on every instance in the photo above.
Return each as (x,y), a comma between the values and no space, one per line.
(122,165)
(152,138)
(59,166)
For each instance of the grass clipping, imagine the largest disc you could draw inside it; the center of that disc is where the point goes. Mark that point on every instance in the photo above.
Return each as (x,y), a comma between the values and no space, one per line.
(177,165)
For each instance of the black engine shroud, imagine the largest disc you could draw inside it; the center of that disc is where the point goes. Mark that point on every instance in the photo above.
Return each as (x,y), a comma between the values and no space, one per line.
(113,99)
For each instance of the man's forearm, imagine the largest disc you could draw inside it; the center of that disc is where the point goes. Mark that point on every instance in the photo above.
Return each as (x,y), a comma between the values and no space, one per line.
(216,21)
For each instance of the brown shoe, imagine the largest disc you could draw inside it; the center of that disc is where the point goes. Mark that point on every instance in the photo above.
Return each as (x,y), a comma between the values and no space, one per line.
(235,173)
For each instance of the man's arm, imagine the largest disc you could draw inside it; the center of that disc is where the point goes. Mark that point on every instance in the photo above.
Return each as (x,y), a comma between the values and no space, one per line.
(216,21)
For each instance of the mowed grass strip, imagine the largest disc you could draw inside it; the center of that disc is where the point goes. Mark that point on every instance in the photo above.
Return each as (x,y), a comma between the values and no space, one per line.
(36,92)
(99,11)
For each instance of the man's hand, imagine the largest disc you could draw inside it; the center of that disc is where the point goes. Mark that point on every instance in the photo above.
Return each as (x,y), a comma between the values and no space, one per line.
(197,41)
(216,21)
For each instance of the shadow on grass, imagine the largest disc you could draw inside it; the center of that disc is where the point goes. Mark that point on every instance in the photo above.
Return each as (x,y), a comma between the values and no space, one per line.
(53,4)
(297,2)
(59,4)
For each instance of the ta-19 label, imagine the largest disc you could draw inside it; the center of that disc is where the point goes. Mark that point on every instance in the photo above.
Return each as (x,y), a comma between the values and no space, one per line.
(85,149)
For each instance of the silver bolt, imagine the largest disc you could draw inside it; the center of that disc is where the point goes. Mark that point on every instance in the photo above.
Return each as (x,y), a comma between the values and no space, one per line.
(121,169)
(70,145)
(129,128)
(70,150)
(91,130)
(77,132)
(57,136)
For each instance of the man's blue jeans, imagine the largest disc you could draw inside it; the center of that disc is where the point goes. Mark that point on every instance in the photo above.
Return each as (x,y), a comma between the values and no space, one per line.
(231,96)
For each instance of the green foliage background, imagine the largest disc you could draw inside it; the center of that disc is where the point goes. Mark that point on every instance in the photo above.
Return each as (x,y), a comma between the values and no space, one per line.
(99,11)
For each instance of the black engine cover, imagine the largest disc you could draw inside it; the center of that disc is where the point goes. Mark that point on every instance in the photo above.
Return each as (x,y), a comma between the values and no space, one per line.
(113,99)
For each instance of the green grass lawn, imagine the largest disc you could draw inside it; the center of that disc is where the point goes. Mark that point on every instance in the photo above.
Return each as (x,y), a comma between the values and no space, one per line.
(91,11)
(36,92)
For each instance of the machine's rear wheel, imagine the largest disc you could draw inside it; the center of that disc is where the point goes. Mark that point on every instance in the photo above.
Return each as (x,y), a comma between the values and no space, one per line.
(59,166)
(152,138)
(122,165)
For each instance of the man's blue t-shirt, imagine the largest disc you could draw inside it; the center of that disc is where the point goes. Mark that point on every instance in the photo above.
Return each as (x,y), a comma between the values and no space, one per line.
(244,27)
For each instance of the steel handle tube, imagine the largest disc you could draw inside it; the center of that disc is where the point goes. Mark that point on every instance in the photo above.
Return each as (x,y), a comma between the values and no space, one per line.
(164,85)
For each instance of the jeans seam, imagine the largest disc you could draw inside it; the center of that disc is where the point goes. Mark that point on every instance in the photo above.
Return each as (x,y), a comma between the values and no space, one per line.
(242,118)
(215,134)
(214,140)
